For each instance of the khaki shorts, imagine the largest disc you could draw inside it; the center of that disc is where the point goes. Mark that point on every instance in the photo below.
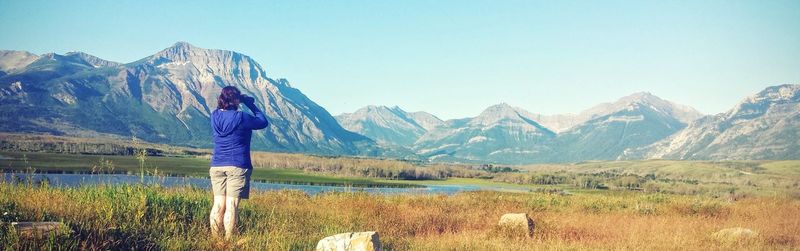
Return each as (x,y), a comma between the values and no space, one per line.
(230,181)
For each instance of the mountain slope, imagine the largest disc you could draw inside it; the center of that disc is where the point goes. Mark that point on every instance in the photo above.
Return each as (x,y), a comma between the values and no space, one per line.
(164,98)
(501,133)
(606,137)
(392,126)
(763,126)
(426,120)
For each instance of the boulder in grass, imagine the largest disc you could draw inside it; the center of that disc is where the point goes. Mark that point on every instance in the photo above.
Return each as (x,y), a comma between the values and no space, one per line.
(39,229)
(356,241)
(520,223)
(735,234)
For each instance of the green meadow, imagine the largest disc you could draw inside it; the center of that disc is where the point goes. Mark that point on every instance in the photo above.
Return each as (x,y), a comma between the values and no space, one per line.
(614,205)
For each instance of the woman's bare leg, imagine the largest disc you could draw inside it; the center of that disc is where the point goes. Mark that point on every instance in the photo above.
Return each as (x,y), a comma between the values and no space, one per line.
(216,217)
(231,206)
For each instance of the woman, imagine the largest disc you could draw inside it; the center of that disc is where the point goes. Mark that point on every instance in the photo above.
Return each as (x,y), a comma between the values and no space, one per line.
(230,163)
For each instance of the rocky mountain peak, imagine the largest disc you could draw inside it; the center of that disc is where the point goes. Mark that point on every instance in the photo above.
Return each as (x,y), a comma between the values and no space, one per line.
(501,110)
(642,98)
(376,110)
(505,114)
(91,59)
(762,126)
(372,108)
(199,67)
(11,61)
(180,50)
(388,125)
(7,54)
(501,113)
(790,93)
(73,60)
(183,53)
(760,103)
(683,113)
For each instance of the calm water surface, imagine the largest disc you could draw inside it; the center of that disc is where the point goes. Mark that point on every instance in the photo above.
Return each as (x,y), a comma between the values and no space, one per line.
(75,180)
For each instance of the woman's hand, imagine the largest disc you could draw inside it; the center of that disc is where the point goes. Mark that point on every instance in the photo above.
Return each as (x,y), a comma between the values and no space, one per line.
(247,100)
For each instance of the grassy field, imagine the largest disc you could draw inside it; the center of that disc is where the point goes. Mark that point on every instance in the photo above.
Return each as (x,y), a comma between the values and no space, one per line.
(180,166)
(137,217)
(674,204)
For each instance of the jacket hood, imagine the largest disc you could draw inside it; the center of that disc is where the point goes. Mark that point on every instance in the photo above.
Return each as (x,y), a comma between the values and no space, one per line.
(225,122)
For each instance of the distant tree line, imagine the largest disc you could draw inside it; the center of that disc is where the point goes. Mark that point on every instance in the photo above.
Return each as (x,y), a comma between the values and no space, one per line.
(497,169)
(99,146)
(603,180)
(363,167)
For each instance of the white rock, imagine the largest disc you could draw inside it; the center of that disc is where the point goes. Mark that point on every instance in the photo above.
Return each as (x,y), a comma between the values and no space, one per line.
(735,234)
(519,222)
(356,241)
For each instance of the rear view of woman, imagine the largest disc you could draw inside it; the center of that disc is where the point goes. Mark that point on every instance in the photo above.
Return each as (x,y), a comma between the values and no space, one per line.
(230,163)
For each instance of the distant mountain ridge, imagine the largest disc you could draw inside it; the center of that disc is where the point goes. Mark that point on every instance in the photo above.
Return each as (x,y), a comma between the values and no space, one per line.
(499,134)
(763,126)
(389,125)
(163,98)
(15,60)
(507,134)
(606,137)
(563,122)
(167,98)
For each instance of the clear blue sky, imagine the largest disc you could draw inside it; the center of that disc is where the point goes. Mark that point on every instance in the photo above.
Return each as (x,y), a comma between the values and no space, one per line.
(451,58)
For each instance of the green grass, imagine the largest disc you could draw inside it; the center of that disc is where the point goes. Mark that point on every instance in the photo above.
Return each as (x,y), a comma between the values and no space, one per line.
(136,217)
(178,166)
(122,217)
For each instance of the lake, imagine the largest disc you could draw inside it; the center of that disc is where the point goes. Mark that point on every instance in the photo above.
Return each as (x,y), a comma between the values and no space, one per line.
(75,180)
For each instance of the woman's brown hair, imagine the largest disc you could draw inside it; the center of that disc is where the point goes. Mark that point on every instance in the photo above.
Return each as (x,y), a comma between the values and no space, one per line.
(229,98)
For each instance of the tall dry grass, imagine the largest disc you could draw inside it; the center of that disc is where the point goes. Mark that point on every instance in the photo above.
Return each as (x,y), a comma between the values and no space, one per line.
(137,217)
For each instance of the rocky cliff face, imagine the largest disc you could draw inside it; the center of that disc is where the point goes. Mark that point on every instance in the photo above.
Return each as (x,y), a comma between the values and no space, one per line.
(163,98)
(763,126)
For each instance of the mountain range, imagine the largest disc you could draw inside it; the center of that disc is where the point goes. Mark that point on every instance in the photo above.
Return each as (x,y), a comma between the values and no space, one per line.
(389,125)
(763,126)
(167,98)
(507,134)
(163,98)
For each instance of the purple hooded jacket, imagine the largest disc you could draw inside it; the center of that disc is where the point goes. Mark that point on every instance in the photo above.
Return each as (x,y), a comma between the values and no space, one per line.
(232,132)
